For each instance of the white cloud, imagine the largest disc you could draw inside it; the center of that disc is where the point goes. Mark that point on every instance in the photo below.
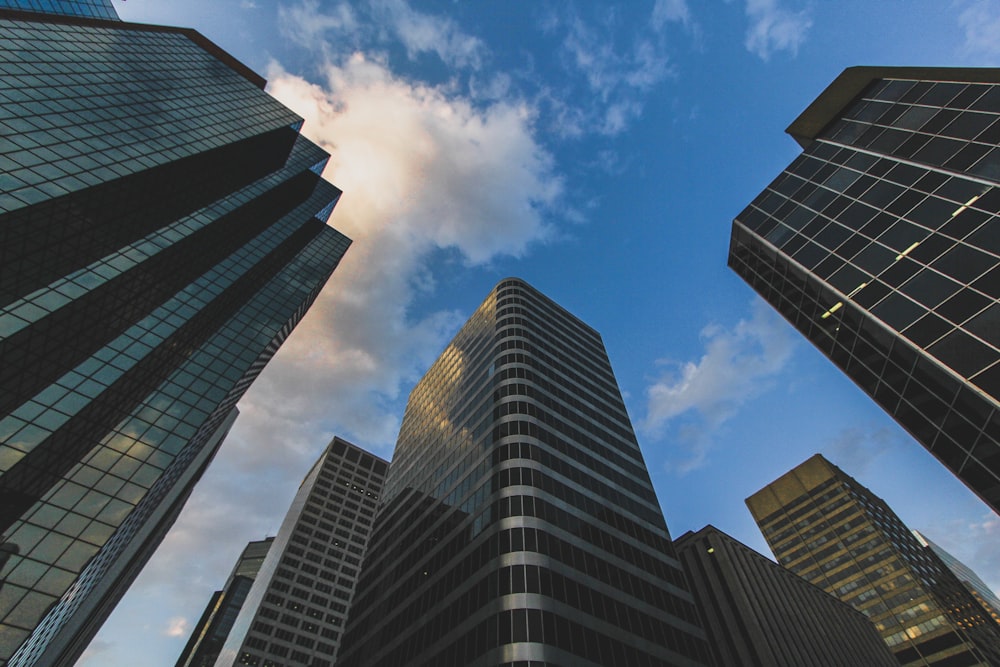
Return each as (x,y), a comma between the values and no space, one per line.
(670,11)
(307,26)
(774,28)
(341,24)
(423,172)
(424,33)
(855,449)
(980,21)
(618,78)
(176,627)
(702,395)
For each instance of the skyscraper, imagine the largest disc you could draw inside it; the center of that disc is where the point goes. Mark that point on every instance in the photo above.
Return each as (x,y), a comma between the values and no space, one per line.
(296,610)
(983,593)
(827,528)
(519,525)
(758,614)
(881,244)
(213,627)
(162,230)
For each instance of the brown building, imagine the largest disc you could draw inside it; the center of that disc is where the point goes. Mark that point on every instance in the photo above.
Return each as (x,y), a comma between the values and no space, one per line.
(827,528)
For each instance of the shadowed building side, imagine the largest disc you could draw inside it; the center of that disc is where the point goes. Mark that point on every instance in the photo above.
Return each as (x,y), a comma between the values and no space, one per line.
(881,244)
(162,231)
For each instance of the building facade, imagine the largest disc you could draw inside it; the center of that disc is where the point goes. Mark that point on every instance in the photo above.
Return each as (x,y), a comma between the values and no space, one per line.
(163,230)
(297,608)
(881,244)
(519,525)
(217,620)
(968,578)
(758,614)
(830,530)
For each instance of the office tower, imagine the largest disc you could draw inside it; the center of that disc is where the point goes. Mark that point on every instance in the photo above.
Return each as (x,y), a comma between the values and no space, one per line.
(519,525)
(757,613)
(217,620)
(881,244)
(296,610)
(97,9)
(830,530)
(163,230)
(975,585)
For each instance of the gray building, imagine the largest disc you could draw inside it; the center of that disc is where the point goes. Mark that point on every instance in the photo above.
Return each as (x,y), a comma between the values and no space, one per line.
(217,620)
(880,243)
(296,610)
(519,525)
(827,528)
(758,614)
(163,231)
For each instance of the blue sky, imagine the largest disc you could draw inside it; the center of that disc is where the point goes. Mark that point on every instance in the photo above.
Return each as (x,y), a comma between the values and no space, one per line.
(599,151)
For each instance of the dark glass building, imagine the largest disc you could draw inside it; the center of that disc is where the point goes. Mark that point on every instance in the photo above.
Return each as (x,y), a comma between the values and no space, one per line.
(830,530)
(758,614)
(217,620)
(881,244)
(975,585)
(519,525)
(297,608)
(162,230)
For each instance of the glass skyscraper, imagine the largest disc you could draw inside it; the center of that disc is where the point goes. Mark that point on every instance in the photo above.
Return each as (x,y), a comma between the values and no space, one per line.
(296,610)
(217,620)
(162,230)
(881,244)
(830,530)
(519,525)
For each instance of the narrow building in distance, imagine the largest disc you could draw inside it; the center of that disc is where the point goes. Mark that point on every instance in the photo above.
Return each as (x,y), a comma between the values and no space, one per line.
(830,530)
(519,524)
(162,231)
(296,609)
(972,581)
(758,614)
(881,244)
(217,620)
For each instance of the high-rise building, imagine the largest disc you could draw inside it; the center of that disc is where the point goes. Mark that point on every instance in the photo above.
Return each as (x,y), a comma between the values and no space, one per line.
(830,530)
(758,614)
(881,244)
(162,230)
(217,620)
(979,589)
(297,608)
(519,525)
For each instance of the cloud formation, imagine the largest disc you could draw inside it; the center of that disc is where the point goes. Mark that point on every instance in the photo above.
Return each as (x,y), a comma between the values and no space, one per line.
(176,627)
(774,28)
(617,77)
(695,398)
(856,448)
(335,26)
(980,21)
(670,11)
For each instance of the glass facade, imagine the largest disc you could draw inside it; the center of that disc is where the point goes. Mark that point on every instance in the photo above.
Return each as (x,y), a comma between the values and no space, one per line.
(881,244)
(96,9)
(759,614)
(296,611)
(983,594)
(519,525)
(830,530)
(213,627)
(163,230)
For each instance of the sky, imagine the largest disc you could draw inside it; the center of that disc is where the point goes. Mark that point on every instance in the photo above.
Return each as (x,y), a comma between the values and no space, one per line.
(599,151)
